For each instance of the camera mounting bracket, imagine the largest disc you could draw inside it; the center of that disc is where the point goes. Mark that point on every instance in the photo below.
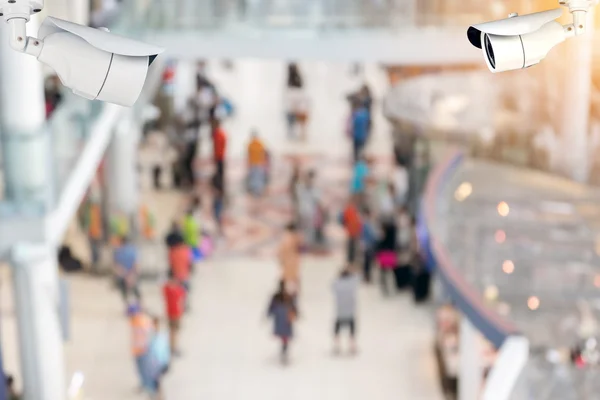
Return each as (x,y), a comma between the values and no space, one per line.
(17,13)
(10,9)
(579,10)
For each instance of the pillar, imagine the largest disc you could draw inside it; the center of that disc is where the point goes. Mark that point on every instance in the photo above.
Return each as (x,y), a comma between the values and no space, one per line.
(470,373)
(121,177)
(575,123)
(25,141)
(35,279)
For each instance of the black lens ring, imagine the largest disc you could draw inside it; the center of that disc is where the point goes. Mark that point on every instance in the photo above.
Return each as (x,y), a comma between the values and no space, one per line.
(489,51)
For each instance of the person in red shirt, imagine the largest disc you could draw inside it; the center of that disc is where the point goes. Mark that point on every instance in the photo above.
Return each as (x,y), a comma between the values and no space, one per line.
(353,225)
(180,262)
(174,295)
(219,150)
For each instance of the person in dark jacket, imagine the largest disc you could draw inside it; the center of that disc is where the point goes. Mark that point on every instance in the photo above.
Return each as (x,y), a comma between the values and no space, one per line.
(175,235)
(294,77)
(386,252)
(283,311)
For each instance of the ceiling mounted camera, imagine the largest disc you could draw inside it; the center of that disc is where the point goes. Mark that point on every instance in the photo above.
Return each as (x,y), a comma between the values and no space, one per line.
(522,41)
(93,63)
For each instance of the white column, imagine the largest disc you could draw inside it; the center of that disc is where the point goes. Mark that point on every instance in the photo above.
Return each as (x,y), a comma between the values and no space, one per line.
(79,11)
(121,175)
(25,145)
(35,276)
(576,104)
(470,377)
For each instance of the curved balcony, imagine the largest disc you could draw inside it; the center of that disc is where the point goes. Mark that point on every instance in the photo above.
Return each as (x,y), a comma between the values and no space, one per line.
(526,258)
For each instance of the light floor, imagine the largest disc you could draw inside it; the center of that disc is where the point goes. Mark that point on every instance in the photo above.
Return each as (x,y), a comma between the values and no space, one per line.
(229,352)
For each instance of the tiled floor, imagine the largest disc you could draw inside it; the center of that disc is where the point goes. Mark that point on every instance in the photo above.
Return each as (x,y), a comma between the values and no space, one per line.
(229,353)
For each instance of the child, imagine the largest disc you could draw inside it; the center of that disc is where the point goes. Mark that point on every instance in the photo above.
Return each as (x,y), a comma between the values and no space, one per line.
(161,357)
(174,295)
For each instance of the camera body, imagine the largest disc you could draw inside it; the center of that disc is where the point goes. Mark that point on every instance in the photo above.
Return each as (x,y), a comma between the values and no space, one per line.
(518,41)
(93,63)
(522,41)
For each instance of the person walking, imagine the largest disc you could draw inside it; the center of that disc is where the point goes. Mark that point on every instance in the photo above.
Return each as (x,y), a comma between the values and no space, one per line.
(308,207)
(353,225)
(174,236)
(289,258)
(160,354)
(180,263)
(126,269)
(174,295)
(360,128)
(386,252)
(257,165)
(219,151)
(218,207)
(191,232)
(369,243)
(282,309)
(141,334)
(360,177)
(345,289)
(297,103)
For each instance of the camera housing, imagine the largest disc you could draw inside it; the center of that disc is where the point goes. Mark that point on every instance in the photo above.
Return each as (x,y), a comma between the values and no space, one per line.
(93,63)
(522,41)
(517,42)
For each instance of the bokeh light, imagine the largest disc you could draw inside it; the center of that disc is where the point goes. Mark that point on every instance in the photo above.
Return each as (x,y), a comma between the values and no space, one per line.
(503,209)
(491,292)
(463,191)
(508,267)
(533,303)
(500,236)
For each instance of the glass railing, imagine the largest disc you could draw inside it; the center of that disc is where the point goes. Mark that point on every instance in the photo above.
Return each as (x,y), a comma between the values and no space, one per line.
(309,14)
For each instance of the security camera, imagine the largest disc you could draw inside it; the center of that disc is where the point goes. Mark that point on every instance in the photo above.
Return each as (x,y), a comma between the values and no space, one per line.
(93,63)
(523,41)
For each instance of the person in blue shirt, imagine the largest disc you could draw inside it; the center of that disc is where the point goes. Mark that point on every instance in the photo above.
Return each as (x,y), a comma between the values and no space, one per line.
(359,176)
(160,353)
(361,123)
(125,259)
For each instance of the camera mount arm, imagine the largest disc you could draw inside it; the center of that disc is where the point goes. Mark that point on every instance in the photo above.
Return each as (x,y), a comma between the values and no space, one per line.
(19,40)
(579,10)
(17,13)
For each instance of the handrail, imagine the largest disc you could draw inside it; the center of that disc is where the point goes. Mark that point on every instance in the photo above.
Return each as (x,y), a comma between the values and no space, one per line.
(493,326)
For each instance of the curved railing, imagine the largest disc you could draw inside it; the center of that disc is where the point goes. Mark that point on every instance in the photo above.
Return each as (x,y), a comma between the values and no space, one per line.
(494,327)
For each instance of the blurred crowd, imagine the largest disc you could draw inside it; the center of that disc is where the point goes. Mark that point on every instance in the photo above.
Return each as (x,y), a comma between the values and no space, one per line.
(376,218)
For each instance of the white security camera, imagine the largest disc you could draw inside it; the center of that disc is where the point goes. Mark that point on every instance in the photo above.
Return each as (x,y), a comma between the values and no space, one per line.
(522,41)
(93,63)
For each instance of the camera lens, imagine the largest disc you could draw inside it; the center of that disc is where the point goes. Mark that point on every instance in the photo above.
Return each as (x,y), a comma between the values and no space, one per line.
(489,51)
